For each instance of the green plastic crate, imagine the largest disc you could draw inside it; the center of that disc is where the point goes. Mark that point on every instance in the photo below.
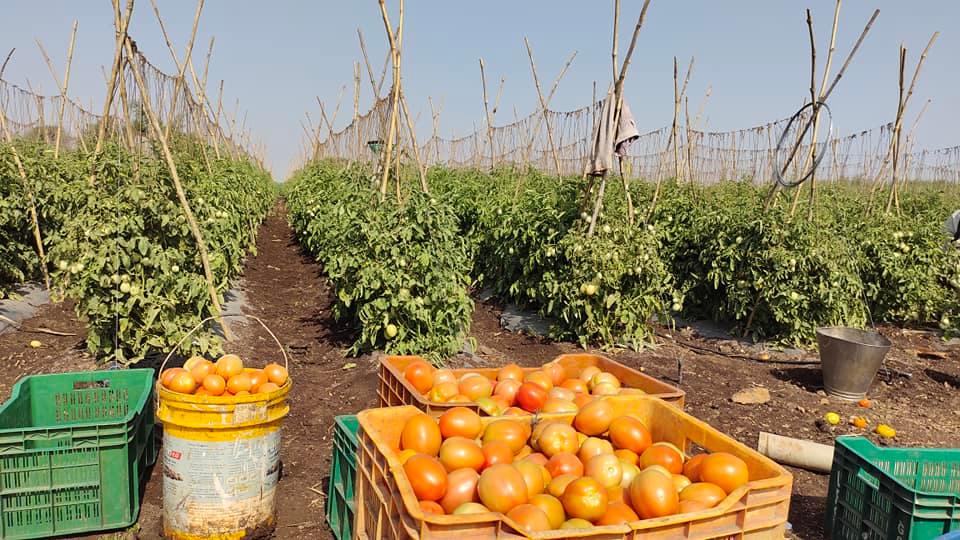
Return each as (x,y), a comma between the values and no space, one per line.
(74,449)
(892,493)
(343,474)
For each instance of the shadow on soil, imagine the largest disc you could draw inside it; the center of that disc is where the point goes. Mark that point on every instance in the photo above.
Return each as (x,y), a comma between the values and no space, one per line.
(810,379)
(806,516)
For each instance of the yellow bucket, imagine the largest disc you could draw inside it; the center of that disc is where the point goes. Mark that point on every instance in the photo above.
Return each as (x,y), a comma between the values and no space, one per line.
(221,462)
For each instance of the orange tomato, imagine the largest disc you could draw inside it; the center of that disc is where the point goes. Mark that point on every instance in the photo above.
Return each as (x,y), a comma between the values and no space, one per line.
(614,494)
(404,455)
(618,513)
(242,393)
(420,375)
(576,523)
(441,376)
(471,508)
(267,387)
(691,469)
(427,477)
(502,487)
(725,470)
(581,400)
(627,456)
(594,418)
(532,477)
(239,383)
(460,422)
(169,374)
(511,432)
(541,378)
(229,365)
(511,372)
(557,438)
(201,369)
(554,405)
(530,518)
(507,389)
(276,373)
(587,373)
(709,494)
(476,387)
(662,455)
(653,494)
(593,446)
(558,485)
(603,378)
(193,361)
(564,463)
(692,506)
(552,507)
(201,391)
(183,382)
(585,498)
(556,371)
(680,482)
(461,489)
(496,453)
(460,453)
(576,386)
(214,384)
(430,507)
(628,433)
(257,379)
(604,468)
(443,392)
(422,434)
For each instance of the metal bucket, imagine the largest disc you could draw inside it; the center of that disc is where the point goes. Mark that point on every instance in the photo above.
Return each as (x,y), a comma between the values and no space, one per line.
(849,359)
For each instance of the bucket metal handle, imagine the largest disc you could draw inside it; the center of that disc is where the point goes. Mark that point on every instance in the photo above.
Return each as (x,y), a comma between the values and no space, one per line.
(283,351)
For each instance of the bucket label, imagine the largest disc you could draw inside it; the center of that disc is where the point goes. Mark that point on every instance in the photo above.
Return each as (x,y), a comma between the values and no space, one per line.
(211,487)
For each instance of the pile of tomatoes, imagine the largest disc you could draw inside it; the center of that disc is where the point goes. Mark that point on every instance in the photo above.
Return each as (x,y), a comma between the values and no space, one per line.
(548,389)
(225,377)
(604,469)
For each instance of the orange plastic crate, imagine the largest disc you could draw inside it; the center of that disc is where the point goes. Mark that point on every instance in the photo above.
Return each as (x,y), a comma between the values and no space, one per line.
(394,390)
(387,507)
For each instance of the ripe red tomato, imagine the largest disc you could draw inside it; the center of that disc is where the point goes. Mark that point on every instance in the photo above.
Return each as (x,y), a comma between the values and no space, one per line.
(653,494)
(663,455)
(594,418)
(531,396)
(461,488)
(427,477)
(460,422)
(502,487)
(628,433)
(420,375)
(585,498)
(421,434)
(461,453)
(725,470)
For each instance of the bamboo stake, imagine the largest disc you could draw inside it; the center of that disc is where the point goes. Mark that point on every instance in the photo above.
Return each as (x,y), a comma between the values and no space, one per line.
(175,176)
(395,54)
(543,108)
(111,86)
(539,122)
(416,150)
(811,155)
(356,107)
(62,87)
(435,114)
(486,110)
(181,69)
(3,67)
(366,60)
(37,236)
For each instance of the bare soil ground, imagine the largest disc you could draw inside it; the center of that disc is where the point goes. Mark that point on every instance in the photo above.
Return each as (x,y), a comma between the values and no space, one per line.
(286,289)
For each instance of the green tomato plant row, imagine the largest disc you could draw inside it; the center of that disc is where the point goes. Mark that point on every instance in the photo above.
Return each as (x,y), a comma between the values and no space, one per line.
(122,249)
(400,270)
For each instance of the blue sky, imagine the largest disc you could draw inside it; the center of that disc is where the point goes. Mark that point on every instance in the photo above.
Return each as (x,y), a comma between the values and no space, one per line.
(277,56)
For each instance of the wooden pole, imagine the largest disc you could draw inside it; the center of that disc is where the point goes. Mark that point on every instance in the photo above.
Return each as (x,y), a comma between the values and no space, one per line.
(543,108)
(181,68)
(435,114)
(62,87)
(395,54)
(356,108)
(111,86)
(486,110)
(416,149)
(539,121)
(181,194)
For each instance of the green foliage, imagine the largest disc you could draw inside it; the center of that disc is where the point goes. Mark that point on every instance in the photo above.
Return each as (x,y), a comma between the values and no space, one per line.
(399,267)
(122,248)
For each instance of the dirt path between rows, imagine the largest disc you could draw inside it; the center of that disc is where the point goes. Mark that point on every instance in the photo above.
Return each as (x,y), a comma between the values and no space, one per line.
(287,290)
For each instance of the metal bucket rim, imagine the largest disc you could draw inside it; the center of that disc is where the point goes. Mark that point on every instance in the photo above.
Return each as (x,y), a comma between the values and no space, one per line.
(825,332)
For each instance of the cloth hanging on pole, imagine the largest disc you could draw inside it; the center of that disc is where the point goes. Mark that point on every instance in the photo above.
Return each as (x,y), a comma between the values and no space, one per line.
(610,140)
(952,226)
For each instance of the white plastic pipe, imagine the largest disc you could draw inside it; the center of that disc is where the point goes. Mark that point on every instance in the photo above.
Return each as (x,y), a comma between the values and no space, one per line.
(796,452)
